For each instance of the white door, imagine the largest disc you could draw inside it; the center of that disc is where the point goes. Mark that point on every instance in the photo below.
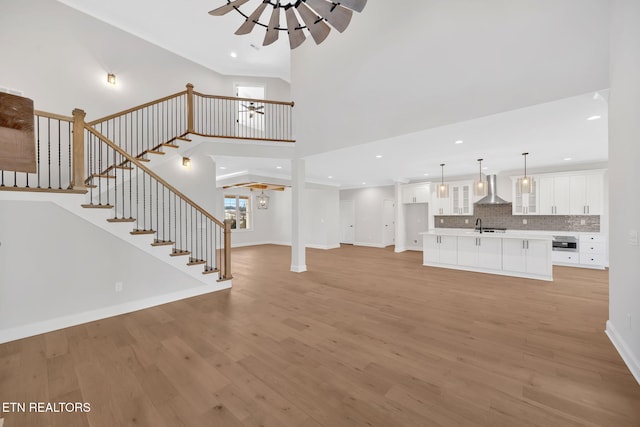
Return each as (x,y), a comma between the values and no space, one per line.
(388,223)
(347,221)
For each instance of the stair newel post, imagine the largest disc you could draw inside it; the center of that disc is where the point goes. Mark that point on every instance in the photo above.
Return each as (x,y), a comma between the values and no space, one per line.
(77,180)
(227,250)
(190,110)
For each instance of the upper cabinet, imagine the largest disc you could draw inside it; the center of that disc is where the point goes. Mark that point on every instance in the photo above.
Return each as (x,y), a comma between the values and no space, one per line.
(568,193)
(524,204)
(459,202)
(416,193)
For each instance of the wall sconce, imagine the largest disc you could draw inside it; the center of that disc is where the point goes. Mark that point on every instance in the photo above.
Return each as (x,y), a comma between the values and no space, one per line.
(186,162)
(111,79)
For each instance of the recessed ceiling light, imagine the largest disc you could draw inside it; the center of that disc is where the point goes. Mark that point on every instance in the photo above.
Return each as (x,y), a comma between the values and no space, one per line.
(484,168)
(233,55)
(379,156)
(566,159)
(593,118)
(278,167)
(330,177)
(426,174)
(223,168)
(459,141)
(364,183)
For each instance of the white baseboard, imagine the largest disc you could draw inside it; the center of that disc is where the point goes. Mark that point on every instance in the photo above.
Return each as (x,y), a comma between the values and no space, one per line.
(623,349)
(244,244)
(308,245)
(370,245)
(37,328)
(298,268)
(325,247)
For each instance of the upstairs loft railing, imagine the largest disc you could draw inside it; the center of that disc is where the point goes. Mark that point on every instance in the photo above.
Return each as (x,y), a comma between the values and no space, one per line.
(151,127)
(153,206)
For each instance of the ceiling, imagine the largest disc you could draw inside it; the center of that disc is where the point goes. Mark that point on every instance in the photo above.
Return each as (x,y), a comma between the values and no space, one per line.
(503,77)
(185,28)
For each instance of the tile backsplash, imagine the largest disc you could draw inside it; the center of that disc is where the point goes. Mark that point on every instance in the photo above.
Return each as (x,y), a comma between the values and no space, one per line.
(501,216)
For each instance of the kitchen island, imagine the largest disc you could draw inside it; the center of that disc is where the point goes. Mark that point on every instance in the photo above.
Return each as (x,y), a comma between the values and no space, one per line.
(511,253)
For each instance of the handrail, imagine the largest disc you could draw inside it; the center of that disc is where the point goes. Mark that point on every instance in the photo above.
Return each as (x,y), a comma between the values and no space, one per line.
(152,174)
(235,98)
(53,116)
(130,110)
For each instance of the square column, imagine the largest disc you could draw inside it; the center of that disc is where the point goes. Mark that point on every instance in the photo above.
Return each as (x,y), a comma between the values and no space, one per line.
(298,255)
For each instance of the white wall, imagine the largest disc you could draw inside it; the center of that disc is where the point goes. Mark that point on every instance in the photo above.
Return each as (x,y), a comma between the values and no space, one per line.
(623,326)
(369,211)
(60,58)
(322,218)
(55,265)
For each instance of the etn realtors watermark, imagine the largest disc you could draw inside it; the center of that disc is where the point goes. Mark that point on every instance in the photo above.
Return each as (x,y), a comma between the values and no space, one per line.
(43,407)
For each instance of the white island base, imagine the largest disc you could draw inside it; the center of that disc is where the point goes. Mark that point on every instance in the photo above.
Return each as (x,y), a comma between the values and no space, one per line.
(507,254)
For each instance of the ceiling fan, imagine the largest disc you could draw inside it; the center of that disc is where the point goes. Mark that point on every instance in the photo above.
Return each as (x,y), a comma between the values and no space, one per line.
(252,109)
(314,13)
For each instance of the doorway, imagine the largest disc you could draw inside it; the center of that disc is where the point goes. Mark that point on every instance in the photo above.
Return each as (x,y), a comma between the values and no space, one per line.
(347,221)
(388,223)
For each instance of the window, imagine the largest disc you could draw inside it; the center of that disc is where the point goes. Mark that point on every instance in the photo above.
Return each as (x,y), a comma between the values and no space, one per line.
(238,210)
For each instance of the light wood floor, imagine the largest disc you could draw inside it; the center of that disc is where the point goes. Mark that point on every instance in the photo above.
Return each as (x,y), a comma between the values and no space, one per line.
(366,337)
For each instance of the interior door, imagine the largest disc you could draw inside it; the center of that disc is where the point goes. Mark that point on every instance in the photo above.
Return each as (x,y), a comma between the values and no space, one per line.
(388,223)
(347,221)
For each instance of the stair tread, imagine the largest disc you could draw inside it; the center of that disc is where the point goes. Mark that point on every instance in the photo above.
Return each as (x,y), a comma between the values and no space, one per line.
(162,243)
(182,138)
(137,231)
(178,252)
(155,152)
(92,206)
(121,220)
(124,167)
(142,159)
(196,262)
(209,270)
(170,145)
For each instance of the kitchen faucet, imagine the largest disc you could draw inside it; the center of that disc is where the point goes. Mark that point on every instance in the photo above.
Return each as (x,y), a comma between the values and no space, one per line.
(479,224)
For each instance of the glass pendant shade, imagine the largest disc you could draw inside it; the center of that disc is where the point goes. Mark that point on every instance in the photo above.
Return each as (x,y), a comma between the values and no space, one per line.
(443,189)
(480,185)
(263,201)
(525,184)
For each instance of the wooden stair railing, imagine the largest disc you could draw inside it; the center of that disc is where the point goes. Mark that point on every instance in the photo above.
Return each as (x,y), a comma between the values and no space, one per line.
(138,195)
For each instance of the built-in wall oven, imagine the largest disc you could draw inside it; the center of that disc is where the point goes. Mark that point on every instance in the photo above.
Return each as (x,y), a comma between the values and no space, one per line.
(565,243)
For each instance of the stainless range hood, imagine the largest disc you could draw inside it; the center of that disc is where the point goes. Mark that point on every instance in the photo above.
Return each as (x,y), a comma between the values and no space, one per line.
(492,196)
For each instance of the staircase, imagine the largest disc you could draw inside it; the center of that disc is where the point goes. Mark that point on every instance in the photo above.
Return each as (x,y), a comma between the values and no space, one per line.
(105,163)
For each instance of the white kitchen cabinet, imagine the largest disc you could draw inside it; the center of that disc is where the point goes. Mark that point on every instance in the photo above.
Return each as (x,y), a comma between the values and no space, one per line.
(416,193)
(527,256)
(554,195)
(587,194)
(593,250)
(475,251)
(441,206)
(440,249)
(524,204)
(461,198)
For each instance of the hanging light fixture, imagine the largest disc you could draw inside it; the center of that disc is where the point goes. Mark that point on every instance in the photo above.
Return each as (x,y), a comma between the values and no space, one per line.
(443,189)
(314,13)
(263,200)
(480,186)
(525,184)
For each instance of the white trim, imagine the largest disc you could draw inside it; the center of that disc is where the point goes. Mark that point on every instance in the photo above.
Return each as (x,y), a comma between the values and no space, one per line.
(243,244)
(325,247)
(24,331)
(308,245)
(623,349)
(298,268)
(370,245)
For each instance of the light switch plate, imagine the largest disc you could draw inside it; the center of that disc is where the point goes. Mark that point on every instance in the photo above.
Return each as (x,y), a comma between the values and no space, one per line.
(633,237)
(524,221)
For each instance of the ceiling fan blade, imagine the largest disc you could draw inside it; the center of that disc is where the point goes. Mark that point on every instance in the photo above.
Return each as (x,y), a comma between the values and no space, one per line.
(272,33)
(317,27)
(356,5)
(251,20)
(296,35)
(260,107)
(259,112)
(222,10)
(339,17)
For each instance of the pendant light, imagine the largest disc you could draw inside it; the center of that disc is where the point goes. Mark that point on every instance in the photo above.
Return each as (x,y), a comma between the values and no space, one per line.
(480,186)
(525,184)
(443,189)
(263,200)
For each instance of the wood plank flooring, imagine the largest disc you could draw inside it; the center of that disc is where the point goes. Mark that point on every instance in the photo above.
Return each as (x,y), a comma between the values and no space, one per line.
(367,337)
